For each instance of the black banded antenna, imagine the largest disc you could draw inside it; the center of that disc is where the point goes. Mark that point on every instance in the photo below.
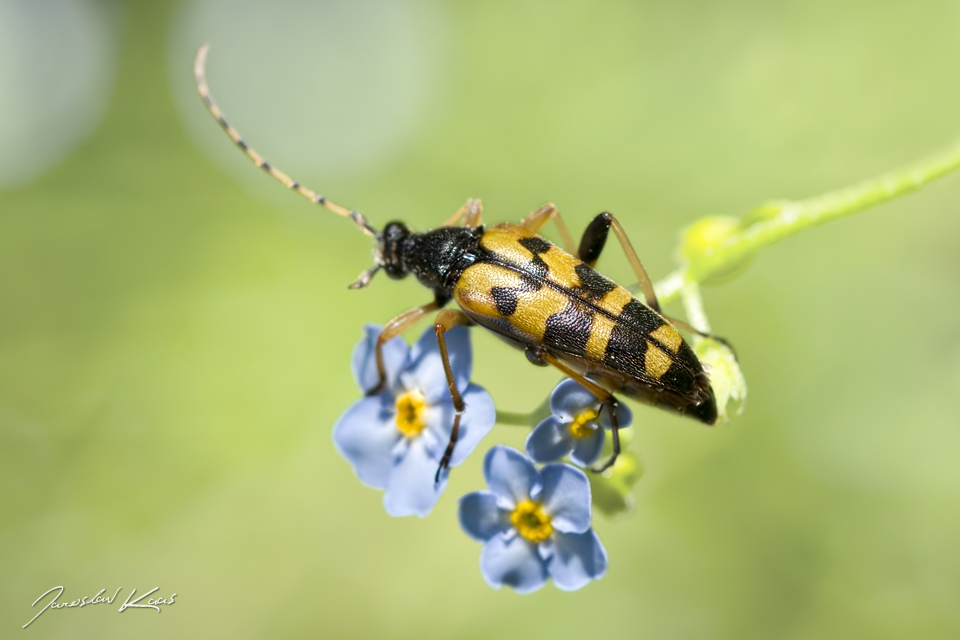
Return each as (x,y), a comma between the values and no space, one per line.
(199,64)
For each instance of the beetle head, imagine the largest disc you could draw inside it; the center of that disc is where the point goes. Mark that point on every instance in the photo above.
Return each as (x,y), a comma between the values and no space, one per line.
(387,255)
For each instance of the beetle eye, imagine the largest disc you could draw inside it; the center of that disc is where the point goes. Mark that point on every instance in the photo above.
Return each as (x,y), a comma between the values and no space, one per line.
(395,271)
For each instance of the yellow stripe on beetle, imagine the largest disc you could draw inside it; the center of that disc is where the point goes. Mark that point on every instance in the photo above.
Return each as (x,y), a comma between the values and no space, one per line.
(600,334)
(615,300)
(562,268)
(474,294)
(502,240)
(656,362)
(668,337)
(473,289)
(535,307)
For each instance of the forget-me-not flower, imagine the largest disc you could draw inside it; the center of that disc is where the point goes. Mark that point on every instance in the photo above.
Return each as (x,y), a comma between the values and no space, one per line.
(395,440)
(576,427)
(534,524)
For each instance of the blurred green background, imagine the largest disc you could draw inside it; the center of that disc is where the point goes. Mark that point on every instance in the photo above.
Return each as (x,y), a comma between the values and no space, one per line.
(176,328)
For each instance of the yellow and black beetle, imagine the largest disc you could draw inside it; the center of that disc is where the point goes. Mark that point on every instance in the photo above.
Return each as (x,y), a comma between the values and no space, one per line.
(537,297)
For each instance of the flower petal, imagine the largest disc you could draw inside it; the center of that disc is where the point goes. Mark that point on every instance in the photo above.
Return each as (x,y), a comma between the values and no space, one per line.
(577,559)
(570,398)
(587,450)
(566,497)
(424,368)
(477,420)
(511,475)
(550,440)
(410,487)
(624,417)
(365,435)
(438,423)
(512,561)
(364,359)
(480,518)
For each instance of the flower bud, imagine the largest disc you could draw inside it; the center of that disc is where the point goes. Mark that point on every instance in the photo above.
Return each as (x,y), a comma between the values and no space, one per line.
(701,240)
(729,386)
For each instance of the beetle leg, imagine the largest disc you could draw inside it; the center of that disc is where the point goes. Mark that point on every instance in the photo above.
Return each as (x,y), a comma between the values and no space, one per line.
(592,243)
(594,239)
(687,327)
(473,211)
(537,219)
(606,398)
(394,328)
(446,320)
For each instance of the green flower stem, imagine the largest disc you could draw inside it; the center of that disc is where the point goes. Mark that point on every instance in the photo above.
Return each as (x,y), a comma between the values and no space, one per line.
(668,288)
(775,221)
(693,305)
(511,418)
(531,419)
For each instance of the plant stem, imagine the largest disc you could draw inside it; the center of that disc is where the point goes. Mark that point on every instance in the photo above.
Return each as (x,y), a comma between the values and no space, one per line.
(693,306)
(531,419)
(775,221)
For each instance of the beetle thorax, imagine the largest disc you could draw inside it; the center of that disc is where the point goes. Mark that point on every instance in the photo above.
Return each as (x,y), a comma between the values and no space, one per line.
(436,258)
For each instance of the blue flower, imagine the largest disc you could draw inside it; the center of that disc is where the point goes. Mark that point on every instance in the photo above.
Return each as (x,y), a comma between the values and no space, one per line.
(533,523)
(394,440)
(574,427)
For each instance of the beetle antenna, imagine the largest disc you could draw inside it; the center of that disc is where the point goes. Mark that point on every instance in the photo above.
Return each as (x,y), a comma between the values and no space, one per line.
(199,64)
(365,277)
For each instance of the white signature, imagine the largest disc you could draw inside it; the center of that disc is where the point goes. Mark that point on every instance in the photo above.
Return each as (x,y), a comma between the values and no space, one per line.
(152,603)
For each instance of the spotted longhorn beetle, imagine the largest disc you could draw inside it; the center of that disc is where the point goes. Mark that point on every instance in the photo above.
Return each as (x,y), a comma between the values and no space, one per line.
(548,302)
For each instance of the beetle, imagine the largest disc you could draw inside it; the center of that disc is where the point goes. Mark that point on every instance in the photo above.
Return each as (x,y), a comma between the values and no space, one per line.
(548,302)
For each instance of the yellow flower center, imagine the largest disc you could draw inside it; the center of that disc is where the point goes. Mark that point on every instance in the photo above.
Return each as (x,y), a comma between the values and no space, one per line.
(411,407)
(531,521)
(579,427)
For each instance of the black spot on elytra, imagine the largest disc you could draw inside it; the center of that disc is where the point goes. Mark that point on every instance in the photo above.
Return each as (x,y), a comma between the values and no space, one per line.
(593,286)
(678,378)
(535,244)
(569,330)
(626,351)
(505,299)
(639,317)
(527,283)
(687,358)
(537,267)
